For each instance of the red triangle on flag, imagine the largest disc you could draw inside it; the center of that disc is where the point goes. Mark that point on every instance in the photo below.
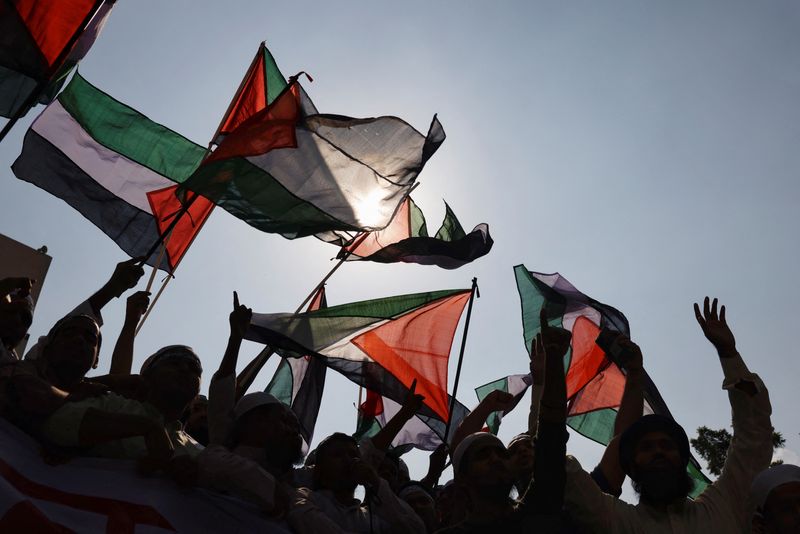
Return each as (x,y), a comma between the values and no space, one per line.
(417,346)
(399,228)
(165,205)
(251,98)
(587,358)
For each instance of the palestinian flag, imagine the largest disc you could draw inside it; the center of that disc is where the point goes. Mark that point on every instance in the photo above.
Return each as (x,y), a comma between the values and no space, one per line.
(419,432)
(299,382)
(116,167)
(40,42)
(594,383)
(382,344)
(288,169)
(406,240)
(517,385)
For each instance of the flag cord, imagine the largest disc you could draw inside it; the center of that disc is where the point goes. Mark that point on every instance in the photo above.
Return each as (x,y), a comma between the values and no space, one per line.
(57,64)
(472,295)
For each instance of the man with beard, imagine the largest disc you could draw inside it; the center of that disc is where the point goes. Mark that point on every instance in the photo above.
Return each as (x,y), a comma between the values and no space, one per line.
(254,443)
(481,463)
(332,507)
(146,427)
(654,452)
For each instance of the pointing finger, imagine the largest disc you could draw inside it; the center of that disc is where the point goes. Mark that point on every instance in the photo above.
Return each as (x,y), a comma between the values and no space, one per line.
(235,299)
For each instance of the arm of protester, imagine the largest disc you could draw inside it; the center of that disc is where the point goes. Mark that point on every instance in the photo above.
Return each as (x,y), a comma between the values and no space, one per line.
(495,401)
(750,450)
(630,410)
(125,276)
(436,465)
(546,495)
(222,390)
(396,516)
(537,374)
(383,439)
(122,358)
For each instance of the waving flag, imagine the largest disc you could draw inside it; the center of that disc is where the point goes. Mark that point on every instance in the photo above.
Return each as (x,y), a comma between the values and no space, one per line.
(41,42)
(298,382)
(383,344)
(406,240)
(116,167)
(288,169)
(419,432)
(594,383)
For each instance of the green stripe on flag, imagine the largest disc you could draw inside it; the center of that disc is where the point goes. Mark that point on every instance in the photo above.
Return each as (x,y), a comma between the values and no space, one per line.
(385,308)
(597,425)
(451,229)
(533,295)
(282,383)
(128,132)
(493,421)
(418,226)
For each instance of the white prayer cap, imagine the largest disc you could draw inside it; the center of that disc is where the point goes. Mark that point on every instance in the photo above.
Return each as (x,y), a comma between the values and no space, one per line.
(771,478)
(251,401)
(469,441)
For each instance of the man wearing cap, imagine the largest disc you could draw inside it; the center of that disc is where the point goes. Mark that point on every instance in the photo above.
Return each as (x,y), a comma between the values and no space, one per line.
(483,476)
(332,507)
(114,426)
(254,443)
(775,495)
(654,453)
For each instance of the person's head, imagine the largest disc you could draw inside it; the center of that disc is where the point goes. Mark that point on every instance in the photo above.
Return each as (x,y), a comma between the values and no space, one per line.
(481,467)
(775,493)
(654,453)
(70,349)
(421,501)
(16,316)
(389,470)
(172,376)
(521,456)
(336,458)
(262,421)
(196,421)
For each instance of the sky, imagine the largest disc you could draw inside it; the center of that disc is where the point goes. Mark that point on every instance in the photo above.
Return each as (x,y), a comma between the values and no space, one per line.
(647,151)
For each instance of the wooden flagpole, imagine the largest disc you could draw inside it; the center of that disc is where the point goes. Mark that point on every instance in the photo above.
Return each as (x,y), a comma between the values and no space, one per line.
(42,84)
(475,292)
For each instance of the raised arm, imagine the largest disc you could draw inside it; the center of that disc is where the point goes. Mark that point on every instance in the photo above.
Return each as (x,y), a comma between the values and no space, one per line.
(122,358)
(630,409)
(546,496)
(750,450)
(495,401)
(126,275)
(383,439)
(239,320)
(436,464)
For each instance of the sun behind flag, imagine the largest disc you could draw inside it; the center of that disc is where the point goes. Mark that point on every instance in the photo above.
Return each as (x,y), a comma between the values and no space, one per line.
(285,168)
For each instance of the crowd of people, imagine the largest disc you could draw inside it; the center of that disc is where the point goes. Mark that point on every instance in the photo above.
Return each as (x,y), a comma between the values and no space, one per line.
(249,445)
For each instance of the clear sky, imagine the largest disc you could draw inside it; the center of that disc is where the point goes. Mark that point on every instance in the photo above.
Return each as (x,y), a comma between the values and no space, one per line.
(647,151)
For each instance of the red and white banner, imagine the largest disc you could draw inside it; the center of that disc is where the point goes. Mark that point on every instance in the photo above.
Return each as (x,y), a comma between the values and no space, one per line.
(107,496)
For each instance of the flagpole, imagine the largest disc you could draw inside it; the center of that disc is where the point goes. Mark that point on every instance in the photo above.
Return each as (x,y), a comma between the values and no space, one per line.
(152,304)
(475,291)
(42,84)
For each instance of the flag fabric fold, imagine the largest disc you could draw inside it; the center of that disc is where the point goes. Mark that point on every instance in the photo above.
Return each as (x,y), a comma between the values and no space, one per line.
(516,385)
(299,382)
(34,42)
(595,383)
(117,168)
(285,168)
(406,240)
(421,432)
(382,344)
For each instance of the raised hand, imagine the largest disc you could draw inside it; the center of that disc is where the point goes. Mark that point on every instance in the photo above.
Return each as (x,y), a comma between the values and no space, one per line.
(239,318)
(413,401)
(715,327)
(126,275)
(365,474)
(537,360)
(555,340)
(499,401)
(136,306)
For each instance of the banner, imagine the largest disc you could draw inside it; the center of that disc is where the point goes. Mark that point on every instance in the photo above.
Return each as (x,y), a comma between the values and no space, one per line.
(94,495)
